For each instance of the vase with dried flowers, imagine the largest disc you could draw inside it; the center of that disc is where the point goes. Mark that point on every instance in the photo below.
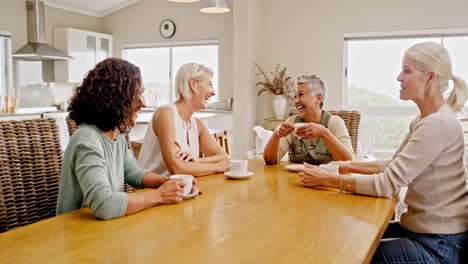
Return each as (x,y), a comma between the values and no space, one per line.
(281,86)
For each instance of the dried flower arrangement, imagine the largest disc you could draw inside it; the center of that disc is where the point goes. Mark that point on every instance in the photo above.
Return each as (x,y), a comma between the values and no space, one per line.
(282,84)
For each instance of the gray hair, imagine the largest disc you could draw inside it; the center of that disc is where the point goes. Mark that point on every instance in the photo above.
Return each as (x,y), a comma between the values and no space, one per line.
(431,56)
(317,85)
(187,72)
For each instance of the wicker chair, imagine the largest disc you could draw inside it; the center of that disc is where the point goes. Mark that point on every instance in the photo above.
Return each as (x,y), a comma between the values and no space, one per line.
(352,120)
(30,164)
(72,128)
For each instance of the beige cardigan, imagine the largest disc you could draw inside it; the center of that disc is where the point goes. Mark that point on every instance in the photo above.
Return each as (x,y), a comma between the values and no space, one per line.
(430,163)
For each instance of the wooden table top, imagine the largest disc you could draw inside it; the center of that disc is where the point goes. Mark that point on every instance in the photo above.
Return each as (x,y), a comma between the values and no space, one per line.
(269,218)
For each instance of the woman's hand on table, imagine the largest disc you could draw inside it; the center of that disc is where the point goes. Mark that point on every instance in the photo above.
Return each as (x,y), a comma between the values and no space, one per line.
(314,176)
(343,166)
(311,130)
(171,192)
(223,165)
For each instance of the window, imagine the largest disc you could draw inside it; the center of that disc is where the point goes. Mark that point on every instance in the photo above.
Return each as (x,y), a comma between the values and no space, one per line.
(2,66)
(372,64)
(6,87)
(159,65)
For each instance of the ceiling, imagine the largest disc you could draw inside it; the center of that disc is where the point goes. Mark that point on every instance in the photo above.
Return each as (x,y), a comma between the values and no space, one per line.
(90,7)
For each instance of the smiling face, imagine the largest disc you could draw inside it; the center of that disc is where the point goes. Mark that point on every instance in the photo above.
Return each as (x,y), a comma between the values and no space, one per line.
(306,103)
(203,91)
(412,81)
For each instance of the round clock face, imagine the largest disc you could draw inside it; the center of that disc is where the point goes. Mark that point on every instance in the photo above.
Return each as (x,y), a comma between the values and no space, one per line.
(167,28)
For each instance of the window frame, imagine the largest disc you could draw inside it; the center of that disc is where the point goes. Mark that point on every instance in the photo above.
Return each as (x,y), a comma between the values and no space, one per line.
(6,66)
(176,44)
(387,110)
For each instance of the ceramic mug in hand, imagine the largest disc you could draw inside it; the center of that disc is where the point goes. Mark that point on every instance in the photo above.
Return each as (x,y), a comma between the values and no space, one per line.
(296,126)
(188,180)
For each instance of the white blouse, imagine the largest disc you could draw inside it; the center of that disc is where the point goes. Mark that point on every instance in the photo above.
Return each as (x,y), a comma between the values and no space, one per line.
(151,157)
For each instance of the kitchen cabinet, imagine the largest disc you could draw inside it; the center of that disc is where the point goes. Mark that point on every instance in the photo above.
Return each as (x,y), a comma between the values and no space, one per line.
(87,49)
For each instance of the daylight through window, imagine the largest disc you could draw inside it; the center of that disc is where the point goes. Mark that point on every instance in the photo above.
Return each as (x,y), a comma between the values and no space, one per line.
(372,64)
(159,65)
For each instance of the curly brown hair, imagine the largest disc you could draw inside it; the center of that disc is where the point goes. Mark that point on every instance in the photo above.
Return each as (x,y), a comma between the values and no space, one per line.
(109,96)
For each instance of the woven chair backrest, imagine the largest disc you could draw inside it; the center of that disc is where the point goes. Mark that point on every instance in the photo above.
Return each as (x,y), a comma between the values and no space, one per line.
(30,164)
(352,120)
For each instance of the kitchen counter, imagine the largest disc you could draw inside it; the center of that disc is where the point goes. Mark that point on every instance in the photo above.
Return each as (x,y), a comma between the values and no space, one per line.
(33,111)
(144,117)
(214,119)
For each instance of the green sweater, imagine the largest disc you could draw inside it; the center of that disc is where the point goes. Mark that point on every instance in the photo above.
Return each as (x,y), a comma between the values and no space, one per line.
(93,172)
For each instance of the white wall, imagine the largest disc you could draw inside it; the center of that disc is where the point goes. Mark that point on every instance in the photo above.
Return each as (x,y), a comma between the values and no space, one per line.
(139,23)
(246,23)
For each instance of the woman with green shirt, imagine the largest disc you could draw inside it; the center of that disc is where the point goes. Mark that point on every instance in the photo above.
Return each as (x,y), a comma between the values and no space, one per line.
(97,159)
(322,139)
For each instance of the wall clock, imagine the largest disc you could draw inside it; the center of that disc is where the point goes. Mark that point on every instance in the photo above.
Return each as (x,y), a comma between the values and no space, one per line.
(167,28)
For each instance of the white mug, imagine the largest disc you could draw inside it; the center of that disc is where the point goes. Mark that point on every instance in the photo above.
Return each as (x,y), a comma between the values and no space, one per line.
(188,180)
(330,168)
(239,167)
(298,125)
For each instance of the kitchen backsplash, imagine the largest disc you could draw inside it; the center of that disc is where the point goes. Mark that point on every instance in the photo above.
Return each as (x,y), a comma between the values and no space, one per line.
(33,90)
(46,94)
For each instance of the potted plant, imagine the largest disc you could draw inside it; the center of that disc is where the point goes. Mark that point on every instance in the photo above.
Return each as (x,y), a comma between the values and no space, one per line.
(281,86)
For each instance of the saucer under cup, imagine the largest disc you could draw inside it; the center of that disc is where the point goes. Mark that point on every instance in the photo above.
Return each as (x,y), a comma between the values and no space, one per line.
(294,167)
(188,180)
(237,176)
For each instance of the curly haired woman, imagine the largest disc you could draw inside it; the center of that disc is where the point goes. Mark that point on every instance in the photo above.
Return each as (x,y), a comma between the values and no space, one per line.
(97,159)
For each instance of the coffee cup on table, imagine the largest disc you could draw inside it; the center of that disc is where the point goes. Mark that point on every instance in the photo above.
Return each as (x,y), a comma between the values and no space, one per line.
(297,126)
(188,180)
(239,167)
(334,169)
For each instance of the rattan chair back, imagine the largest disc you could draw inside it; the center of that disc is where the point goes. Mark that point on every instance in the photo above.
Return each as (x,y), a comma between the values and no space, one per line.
(30,165)
(352,120)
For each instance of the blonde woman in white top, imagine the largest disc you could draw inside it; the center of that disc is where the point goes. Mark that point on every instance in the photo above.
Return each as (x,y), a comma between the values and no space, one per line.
(175,137)
(429,162)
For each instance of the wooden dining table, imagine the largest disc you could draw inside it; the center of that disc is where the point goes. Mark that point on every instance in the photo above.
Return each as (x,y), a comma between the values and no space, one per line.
(268,218)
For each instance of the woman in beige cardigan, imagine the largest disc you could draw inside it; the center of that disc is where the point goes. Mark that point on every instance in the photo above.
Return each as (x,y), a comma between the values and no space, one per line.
(429,162)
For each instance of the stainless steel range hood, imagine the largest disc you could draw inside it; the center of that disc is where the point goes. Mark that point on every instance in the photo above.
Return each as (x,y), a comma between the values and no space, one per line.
(36,48)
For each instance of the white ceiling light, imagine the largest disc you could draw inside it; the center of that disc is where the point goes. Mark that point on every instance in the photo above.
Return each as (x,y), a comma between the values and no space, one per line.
(184,1)
(214,6)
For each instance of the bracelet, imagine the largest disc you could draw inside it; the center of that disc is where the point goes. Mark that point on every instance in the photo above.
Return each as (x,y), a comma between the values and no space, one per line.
(341,182)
